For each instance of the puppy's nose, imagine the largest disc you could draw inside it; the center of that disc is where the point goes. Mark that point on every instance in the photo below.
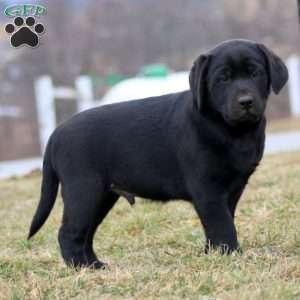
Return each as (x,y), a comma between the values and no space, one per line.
(246,101)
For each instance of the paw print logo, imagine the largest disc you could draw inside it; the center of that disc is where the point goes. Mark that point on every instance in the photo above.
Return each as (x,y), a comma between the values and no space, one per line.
(24,33)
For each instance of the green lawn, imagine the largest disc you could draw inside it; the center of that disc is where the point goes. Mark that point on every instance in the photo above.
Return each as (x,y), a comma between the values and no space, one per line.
(155,251)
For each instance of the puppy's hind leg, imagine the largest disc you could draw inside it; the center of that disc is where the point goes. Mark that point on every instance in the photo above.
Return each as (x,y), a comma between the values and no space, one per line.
(82,205)
(108,200)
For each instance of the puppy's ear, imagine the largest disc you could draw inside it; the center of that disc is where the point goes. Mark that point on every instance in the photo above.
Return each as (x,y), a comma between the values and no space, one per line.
(197,79)
(278,72)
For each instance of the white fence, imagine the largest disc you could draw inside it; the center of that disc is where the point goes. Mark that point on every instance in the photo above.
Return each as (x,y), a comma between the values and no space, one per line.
(46,94)
(293,64)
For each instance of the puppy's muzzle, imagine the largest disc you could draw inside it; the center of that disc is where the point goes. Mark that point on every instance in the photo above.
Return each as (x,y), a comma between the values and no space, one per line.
(246,102)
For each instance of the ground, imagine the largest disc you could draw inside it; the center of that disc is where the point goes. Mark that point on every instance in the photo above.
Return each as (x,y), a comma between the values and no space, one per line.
(155,251)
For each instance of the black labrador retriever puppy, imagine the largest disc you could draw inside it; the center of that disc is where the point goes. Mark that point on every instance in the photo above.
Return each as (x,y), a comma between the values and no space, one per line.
(199,145)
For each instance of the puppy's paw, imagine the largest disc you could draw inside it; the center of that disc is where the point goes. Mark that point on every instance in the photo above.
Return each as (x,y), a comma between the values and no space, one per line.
(81,264)
(222,248)
(98,265)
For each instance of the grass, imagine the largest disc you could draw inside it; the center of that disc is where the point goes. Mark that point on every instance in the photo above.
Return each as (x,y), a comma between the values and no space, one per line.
(155,251)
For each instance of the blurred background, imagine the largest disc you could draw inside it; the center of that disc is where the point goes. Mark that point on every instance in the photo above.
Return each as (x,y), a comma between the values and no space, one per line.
(93,52)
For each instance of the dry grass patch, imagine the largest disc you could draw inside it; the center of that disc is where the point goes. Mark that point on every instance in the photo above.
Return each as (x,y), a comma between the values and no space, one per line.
(155,251)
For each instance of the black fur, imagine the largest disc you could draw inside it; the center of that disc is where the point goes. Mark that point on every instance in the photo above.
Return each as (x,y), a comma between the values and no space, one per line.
(200,146)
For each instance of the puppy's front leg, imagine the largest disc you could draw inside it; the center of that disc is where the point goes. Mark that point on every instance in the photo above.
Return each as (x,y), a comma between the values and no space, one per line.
(212,208)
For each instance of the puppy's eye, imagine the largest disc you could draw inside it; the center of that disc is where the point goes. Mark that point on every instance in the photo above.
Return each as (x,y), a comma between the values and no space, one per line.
(225,77)
(254,72)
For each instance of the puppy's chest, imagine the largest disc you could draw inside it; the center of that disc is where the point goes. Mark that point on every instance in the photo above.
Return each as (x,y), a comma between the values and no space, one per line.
(246,154)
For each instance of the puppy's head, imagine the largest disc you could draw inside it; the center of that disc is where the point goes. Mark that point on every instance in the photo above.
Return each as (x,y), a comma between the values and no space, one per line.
(234,80)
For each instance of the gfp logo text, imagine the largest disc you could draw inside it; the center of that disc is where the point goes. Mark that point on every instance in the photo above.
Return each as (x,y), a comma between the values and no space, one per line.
(25,10)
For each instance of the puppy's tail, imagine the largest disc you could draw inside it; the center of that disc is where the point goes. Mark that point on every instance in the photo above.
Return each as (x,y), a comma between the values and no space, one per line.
(48,193)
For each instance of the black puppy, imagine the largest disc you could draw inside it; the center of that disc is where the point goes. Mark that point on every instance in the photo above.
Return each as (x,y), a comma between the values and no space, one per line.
(200,145)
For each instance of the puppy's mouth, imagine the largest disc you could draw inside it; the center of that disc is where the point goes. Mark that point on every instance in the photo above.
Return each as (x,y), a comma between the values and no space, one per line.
(245,117)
